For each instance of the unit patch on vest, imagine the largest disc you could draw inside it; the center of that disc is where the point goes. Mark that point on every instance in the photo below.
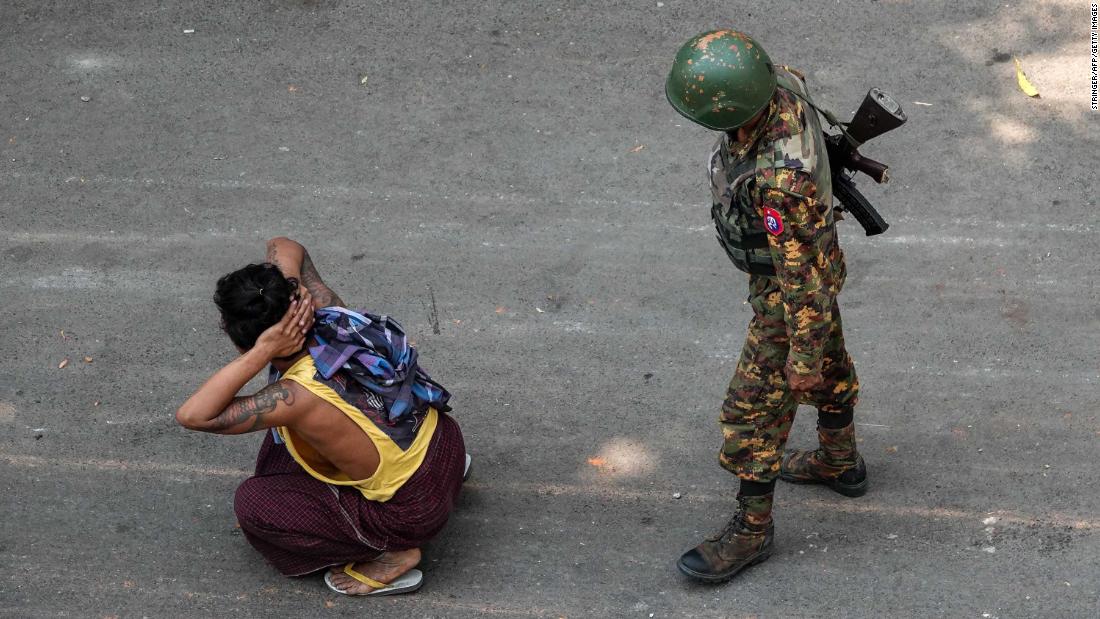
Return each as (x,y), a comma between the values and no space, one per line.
(772,221)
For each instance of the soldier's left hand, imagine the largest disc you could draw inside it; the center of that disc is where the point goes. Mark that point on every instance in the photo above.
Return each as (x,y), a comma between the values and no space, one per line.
(802,383)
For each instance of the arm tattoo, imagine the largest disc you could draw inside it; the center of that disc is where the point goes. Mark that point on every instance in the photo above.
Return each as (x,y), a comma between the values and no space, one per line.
(272,256)
(312,281)
(255,406)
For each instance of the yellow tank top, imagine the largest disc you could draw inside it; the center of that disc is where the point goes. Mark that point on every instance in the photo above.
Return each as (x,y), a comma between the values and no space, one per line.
(395,466)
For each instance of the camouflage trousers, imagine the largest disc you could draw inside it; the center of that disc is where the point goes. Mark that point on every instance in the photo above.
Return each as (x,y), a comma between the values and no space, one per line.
(759,407)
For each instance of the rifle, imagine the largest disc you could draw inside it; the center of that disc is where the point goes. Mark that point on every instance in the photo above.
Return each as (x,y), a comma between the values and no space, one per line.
(878,114)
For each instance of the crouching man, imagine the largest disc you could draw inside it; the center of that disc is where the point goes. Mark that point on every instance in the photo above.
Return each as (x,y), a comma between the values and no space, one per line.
(361,465)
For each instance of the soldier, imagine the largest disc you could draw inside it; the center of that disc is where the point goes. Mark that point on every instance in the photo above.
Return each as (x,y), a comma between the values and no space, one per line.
(772,206)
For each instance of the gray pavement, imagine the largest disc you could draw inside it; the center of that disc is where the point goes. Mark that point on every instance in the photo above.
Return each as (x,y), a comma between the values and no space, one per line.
(511,184)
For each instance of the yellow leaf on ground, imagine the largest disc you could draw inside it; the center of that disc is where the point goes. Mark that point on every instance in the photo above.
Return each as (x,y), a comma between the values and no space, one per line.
(63,363)
(637,149)
(1021,79)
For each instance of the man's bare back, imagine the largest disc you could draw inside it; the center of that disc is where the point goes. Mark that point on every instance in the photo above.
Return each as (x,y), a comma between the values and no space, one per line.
(335,437)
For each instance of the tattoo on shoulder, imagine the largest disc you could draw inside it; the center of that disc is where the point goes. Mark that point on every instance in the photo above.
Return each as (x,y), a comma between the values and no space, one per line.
(254,407)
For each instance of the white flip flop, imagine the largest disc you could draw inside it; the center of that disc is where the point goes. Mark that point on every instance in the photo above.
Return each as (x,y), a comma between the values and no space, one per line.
(406,583)
(466,469)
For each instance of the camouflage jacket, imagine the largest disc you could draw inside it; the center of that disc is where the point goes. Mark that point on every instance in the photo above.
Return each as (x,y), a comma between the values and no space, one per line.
(787,196)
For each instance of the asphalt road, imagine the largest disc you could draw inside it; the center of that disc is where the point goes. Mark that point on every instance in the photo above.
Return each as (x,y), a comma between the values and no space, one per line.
(507,179)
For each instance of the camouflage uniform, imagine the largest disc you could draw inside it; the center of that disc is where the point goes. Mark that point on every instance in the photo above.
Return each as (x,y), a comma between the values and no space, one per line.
(774,215)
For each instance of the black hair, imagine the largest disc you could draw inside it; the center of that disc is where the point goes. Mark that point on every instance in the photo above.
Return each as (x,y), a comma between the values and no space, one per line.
(251,300)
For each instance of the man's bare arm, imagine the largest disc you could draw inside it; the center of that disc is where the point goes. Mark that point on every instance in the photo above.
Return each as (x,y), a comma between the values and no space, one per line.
(274,405)
(323,296)
(287,255)
(294,261)
(213,408)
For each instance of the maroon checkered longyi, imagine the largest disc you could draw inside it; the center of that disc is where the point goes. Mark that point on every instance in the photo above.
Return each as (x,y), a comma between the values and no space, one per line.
(301,524)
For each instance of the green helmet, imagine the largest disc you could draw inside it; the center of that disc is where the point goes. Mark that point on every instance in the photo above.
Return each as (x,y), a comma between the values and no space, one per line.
(720,79)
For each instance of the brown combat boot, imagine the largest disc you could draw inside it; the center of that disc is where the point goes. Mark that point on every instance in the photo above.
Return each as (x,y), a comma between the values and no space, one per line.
(745,541)
(835,464)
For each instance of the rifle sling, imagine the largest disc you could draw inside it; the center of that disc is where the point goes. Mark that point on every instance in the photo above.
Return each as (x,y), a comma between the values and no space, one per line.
(829,117)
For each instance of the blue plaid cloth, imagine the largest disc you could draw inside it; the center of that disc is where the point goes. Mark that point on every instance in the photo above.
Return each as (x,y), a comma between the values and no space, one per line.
(373,351)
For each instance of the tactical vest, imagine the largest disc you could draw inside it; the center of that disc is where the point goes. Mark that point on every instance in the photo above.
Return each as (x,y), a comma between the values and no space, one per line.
(735,184)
